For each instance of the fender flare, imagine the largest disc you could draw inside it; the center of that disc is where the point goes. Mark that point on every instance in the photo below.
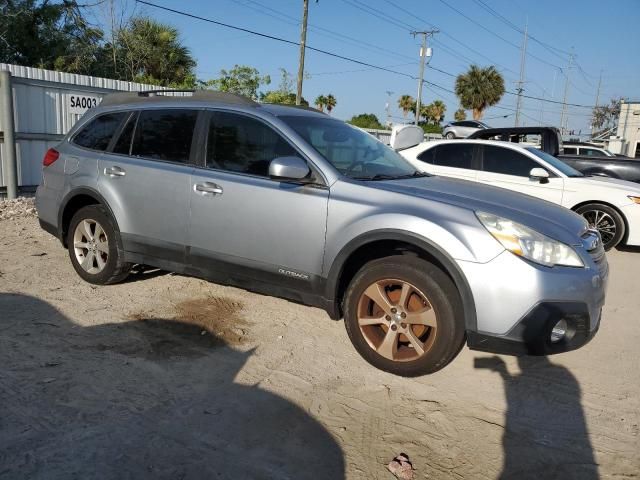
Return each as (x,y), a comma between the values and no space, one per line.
(90,192)
(421,243)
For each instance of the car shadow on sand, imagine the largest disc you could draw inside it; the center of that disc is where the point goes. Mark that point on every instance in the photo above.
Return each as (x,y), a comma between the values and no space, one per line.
(142,399)
(545,433)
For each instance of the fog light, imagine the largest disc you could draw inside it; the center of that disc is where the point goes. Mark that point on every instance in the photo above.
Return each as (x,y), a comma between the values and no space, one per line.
(559,331)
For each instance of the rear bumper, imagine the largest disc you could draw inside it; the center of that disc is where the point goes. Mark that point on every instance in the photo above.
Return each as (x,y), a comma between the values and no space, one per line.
(532,334)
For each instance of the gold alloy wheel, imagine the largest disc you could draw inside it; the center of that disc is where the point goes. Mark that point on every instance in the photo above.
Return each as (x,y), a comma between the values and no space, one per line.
(397,320)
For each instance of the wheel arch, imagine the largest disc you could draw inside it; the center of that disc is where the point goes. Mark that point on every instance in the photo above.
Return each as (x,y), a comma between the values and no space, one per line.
(74,201)
(622,215)
(384,243)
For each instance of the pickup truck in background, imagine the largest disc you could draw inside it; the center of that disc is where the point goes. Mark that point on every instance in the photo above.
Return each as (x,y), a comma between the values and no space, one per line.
(550,141)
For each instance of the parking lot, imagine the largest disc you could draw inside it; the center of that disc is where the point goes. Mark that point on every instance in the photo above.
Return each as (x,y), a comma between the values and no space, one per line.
(166,376)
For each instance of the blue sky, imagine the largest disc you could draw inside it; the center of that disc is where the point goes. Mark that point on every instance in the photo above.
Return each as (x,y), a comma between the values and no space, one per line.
(605,36)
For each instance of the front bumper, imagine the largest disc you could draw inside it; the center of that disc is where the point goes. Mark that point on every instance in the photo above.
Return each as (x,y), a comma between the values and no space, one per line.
(632,215)
(518,303)
(532,335)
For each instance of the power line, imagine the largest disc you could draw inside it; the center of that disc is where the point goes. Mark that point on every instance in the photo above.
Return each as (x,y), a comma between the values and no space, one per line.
(430,25)
(273,37)
(495,34)
(331,54)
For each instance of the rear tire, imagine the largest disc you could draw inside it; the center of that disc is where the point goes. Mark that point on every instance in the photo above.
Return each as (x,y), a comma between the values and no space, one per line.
(424,326)
(95,247)
(606,220)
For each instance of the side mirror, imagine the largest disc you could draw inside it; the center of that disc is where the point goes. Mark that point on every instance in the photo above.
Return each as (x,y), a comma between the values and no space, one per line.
(539,175)
(288,168)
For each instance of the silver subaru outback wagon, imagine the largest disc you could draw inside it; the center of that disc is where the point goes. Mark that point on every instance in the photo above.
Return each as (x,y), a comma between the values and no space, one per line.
(290,202)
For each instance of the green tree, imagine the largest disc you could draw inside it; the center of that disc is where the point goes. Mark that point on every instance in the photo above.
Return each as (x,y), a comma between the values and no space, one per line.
(479,88)
(460,115)
(320,102)
(241,79)
(406,103)
(49,34)
(366,120)
(425,112)
(284,94)
(151,52)
(331,102)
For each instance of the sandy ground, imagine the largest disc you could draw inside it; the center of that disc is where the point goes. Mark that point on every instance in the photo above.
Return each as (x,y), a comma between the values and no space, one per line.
(173,377)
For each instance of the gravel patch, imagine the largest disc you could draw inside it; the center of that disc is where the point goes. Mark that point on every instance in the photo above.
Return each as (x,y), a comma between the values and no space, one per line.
(20,207)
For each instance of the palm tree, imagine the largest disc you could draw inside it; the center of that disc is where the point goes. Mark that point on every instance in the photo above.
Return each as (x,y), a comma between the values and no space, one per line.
(437,110)
(320,102)
(406,103)
(331,102)
(460,115)
(479,88)
(425,112)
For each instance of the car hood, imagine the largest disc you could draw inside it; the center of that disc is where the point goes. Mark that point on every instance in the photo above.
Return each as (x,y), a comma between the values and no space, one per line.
(545,217)
(611,184)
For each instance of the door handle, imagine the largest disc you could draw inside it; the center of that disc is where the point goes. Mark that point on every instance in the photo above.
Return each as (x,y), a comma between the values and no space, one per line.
(208,188)
(114,172)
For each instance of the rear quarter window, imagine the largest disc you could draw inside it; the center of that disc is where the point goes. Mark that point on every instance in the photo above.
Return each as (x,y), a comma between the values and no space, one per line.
(97,134)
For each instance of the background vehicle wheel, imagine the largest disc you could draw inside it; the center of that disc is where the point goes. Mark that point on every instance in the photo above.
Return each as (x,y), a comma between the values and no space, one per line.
(404,316)
(95,247)
(607,220)
(450,136)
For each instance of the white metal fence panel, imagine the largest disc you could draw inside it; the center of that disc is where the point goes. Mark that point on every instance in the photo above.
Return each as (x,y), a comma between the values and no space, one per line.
(46,105)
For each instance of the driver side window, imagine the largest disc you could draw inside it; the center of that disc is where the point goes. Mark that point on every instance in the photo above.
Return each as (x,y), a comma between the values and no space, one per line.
(237,143)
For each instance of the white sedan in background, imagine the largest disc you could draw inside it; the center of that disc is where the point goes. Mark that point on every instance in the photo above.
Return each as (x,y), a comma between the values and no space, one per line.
(610,205)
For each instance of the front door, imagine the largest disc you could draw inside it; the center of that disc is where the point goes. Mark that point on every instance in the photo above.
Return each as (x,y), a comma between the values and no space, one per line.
(243,224)
(508,168)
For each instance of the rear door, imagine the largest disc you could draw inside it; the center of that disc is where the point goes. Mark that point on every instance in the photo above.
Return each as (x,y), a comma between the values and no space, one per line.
(146,176)
(453,159)
(508,168)
(245,225)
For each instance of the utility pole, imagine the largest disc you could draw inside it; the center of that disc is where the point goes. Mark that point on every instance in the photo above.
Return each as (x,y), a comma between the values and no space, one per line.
(563,116)
(544,92)
(423,53)
(303,46)
(597,99)
(387,106)
(520,89)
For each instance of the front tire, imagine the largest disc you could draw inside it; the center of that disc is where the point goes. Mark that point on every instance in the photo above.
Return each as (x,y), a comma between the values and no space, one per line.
(403,315)
(450,136)
(606,220)
(95,247)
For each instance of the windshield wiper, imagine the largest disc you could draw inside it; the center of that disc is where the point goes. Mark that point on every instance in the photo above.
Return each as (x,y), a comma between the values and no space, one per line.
(381,176)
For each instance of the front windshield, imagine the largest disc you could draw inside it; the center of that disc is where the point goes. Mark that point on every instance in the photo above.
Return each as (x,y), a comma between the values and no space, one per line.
(554,162)
(353,152)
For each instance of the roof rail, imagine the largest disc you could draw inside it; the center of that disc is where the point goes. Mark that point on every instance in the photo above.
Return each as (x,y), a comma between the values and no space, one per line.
(121,98)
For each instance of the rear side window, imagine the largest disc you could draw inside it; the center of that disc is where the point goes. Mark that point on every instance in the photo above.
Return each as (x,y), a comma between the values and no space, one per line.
(570,151)
(242,144)
(454,155)
(506,161)
(97,134)
(428,156)
(164,134)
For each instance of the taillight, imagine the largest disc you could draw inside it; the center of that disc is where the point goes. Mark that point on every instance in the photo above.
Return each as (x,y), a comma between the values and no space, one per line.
(50,157)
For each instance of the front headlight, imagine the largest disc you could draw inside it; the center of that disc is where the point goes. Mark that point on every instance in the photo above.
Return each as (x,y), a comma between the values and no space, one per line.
(528,243)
